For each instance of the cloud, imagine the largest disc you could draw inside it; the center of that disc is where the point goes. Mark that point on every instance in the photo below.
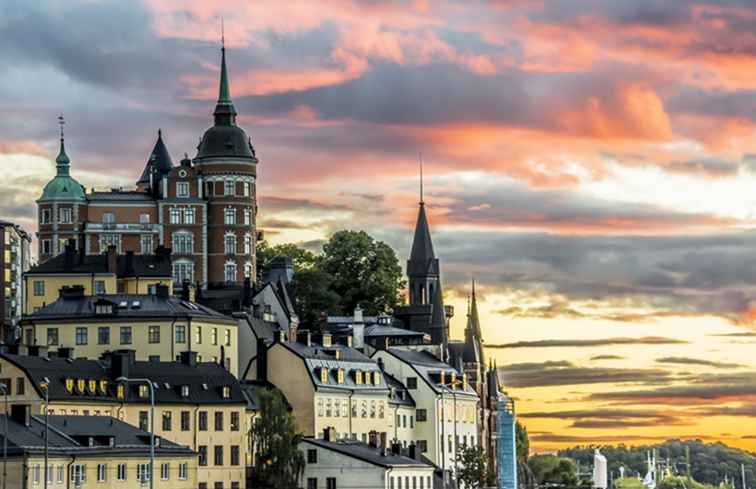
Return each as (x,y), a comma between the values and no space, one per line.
(523,375)
(698,362)
(590,343)
(607,357)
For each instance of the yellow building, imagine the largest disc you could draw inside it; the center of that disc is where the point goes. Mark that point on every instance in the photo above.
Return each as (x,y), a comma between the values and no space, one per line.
(200,405)
(157,326)
(108,273)
(90,452)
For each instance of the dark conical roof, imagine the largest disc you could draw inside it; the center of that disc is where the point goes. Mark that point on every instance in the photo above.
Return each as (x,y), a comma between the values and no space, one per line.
(422,257)
(159,161)
(473,351)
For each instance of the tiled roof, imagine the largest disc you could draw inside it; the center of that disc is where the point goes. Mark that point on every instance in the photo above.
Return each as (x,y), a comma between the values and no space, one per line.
(366,453)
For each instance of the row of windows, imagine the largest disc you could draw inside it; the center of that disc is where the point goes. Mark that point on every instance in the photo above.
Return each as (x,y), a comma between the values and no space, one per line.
(120,473)
(182,215)
(229,244)
(126,335)
(218,455)
(65,216)
(410,482)
(312,483)
(360,376)
(229,188)
(7,386)
(339,408)
(185,421)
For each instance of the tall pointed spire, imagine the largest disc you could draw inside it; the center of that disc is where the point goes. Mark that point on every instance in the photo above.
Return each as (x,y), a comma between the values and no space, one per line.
(62,162)
(224,95)
(474,320)
(422,257)
(225,113)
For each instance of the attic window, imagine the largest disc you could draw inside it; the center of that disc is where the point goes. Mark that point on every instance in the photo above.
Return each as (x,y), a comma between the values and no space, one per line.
(226,392)
(204,386)
(376,378)
(143,390)
(337,354)
(184,391)
(358,377)
(103,309)
(123,304)
(167,385)
(120,391)
(323,375)
(136,305)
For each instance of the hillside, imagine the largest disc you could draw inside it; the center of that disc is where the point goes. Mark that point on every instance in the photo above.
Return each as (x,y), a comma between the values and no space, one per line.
(710,462)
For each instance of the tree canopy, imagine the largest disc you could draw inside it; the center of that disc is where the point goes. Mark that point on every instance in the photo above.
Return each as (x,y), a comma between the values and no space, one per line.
(471,464)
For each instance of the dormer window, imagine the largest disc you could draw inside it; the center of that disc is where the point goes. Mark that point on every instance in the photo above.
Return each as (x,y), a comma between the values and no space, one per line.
(104,309)
(120,391)
(340,376)
(323,375)
(358,377)
(184,391)
(376,378)
(143,391)
(182,189)
(442,378)
(103,385)
(226,391)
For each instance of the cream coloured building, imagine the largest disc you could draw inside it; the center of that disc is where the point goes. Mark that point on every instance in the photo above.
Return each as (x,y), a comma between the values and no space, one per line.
(158,327)
(199,405)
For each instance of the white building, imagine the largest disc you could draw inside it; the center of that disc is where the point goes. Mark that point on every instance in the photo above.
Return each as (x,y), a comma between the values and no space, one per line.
(349,464)
(16,258)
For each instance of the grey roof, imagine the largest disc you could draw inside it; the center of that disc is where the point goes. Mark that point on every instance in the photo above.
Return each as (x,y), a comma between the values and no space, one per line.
(251,390)
(399,393)
(125,306)
(366,453)
(428,366)
(127,265)
(317,356)
(205,380)
(130,195)
(159,162)
(380,330)
(422,260)
(70,435)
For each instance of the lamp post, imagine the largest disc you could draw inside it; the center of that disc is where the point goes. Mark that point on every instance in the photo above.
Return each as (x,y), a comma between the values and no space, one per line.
(46,386)
(4,390)
(152,422)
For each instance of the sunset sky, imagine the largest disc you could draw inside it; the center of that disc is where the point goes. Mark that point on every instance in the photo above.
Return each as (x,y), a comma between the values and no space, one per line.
(592,164)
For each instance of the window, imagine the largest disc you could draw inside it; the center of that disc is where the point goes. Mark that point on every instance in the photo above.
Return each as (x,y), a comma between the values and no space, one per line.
(78,474)
(312,456)
(145,244)
(143,473)
(422,446)
(39,288)
(49,474)
(61,474)
(421,415)
(312,483)
(214,336)
(234,421)
(235,455)
(202,421)
(411,383)
(323,375)
(229,271)
(248,270)
(247,217)
(219,421)
(229,216)
(329,408)
(143,390)
(218,455)
(246,187)
(185,423)
(20,386)
(185,389)
(340,376)
(46,247)
(144,418)
(52,336)
(182,243)
(189,216)
(102,472)
(183,271)
(376,378)
(183,471)
(99,287)
(81,336)
(182,189)
(229,187)
(164,470)
(29,336)
(121,472)
(180,334)
(174,215)
(230,244)
(167,418)
(35,474)
(153,334)
(227,337)
(358,377)
(331,483)
(108,240)
(125,335)
(103,335)
(202,450)
(144,218)
(45,216)
(108,218)
(66,216)
(247,244)
(320,407)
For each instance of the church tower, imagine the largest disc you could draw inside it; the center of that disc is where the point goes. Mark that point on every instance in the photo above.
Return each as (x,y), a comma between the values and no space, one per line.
(227,173)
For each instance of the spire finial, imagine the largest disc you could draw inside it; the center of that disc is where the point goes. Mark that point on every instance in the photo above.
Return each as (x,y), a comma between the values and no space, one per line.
(160,133)
(422,201)
(62,161)
(223,35)
(61,123)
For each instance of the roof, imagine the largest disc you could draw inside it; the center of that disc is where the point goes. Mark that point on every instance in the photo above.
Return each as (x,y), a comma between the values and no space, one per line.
(127,265)
(366,453)
(422,258)
(125,306)
(205,380)
(130,195)
(251,390)
(401,396)
(159,162)
(63,186)
(71,435)
(428,366)
(350,360)
(380,330)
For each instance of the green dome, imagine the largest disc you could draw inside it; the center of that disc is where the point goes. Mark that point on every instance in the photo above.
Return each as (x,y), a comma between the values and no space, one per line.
(63,186)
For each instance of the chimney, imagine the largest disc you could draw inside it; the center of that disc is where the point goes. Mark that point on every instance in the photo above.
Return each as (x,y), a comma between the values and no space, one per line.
(381,365)
(189,358)
(37,351)
(412,451)
(162,291)
(358,335)
(262,360)
(65,352)
(185,290)
(129,265)
(279,336)
(21,413)
(112,259)
(329,434)
(373,439)
(396,448)
(358,318)
(70,254)
(71,292)
(304,337)
(121,362)
(247,293)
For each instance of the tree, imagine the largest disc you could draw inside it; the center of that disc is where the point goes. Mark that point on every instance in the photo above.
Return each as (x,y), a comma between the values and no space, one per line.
(553,470)
(471,464)
(313,294)
(366,272)
(278,462)
(522,442)
(302,259)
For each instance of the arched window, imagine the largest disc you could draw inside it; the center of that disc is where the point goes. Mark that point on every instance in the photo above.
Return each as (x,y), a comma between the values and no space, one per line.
(229,216)
(229,271)
(247,244)
(182,243)
(248,270)
(230,244)
(183,271)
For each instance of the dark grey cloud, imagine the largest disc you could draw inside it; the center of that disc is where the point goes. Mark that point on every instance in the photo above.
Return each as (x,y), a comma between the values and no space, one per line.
(523,375)
(714,103)
(607,418)
(590,343)
(607,357)
(698,362)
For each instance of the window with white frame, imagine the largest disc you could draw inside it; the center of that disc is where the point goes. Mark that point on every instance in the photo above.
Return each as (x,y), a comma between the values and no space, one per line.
(78,474)
(164,471)
(247,216)
(60,474)
(183,271)
(230,244)
(174,215)
(229,216)
(182,243)
(248,270)
(143,473)
(121,472)
(66,216)
(108,218)
(247,244)
(246,189)
(229,187)
(182,189)
(189,215)
(183,471)
(102,472)
(45,217)
(108,240)
(144,218)
(229,272)
(145,244)
(36,471)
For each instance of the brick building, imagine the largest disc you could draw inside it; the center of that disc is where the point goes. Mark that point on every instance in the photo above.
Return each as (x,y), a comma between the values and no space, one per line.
(203,209)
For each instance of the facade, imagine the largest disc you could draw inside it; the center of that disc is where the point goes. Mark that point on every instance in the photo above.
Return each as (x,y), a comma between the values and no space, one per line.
(199,405)
(506,443)
(90,452)
(107,273)
(15,244)
(334,464)
(446,406)
(203,209)
(158,326)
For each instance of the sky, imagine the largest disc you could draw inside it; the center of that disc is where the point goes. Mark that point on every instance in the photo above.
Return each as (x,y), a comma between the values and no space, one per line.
(591,164)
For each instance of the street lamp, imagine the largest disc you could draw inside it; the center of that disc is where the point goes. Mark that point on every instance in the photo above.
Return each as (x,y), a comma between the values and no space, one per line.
(152,422)
(4,390)
(46,386)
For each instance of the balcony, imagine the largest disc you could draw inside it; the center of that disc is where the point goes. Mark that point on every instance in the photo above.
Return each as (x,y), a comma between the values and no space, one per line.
(97,227)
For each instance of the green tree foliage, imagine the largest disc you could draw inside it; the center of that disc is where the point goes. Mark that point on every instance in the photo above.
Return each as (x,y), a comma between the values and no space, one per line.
(628,483)
(471,467)
(522,442)
(278,462)
(554,470)
(710,462)
(353,269)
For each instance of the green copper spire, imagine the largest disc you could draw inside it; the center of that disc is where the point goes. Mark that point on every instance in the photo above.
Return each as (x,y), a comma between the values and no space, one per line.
(225,113)
(62,162)
(62,187)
